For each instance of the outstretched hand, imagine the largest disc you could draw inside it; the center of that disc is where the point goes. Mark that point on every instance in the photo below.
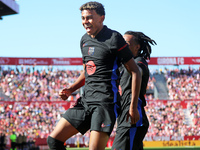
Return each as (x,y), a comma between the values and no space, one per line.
(134,115)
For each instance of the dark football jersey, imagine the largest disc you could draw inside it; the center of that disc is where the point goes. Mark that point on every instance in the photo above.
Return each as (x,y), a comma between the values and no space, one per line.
(102,57)
(126,80)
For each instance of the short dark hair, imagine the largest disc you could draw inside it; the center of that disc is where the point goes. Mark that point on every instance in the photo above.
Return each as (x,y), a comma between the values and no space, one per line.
(98,7)
(143,40)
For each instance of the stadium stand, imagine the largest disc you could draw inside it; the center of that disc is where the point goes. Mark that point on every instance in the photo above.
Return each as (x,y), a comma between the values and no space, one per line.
(30,105)
(183,84)
(160,85)
(35,85)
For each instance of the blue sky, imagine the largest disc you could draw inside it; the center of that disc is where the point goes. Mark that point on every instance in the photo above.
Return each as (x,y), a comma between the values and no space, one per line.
(49,28)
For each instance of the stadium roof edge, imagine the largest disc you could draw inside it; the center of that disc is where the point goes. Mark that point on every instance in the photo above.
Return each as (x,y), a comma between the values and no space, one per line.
(8,7)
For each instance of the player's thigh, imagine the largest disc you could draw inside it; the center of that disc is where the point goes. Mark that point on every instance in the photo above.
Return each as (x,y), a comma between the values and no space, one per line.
(63,130)
(103,118)
(122,139)
(98,140)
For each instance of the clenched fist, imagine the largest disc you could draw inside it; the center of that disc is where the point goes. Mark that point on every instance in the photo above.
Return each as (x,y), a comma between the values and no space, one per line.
(64,93)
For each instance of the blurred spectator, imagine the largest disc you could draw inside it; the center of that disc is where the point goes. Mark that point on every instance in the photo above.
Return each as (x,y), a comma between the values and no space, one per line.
(2,140)
(24,140)
(194,109)
(19,141)
(86,138)
(13,138)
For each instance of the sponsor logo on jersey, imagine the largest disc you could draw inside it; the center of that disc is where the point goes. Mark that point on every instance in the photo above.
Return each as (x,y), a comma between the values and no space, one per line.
(103,125)
(85,44)
(90,67)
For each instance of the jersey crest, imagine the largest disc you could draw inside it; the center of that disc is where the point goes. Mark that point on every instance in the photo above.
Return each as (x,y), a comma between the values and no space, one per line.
(91,51)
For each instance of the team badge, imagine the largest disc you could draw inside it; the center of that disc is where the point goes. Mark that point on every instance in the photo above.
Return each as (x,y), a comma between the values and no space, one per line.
(91,51)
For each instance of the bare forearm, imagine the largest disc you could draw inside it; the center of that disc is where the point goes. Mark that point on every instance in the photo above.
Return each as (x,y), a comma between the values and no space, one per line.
(66,92)
(79,82)
(136,84)
(136,81)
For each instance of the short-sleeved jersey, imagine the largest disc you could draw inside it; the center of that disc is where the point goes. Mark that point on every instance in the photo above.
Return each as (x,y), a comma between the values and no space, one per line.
(102,57)
(126,80)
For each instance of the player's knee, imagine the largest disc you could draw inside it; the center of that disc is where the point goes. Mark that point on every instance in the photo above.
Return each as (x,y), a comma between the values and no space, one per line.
(55,144)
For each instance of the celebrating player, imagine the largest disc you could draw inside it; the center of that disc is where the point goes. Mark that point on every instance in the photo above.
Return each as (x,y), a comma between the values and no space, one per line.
(130,136)
(103,50)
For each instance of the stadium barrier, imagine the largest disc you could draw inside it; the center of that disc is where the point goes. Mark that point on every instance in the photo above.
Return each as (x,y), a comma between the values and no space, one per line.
(171,143)
(42,142)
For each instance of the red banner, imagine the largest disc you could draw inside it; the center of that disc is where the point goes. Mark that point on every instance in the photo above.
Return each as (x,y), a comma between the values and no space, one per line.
(171,138)
(78,61)
(40,61)
(191,137)
(65,104)
(174,61)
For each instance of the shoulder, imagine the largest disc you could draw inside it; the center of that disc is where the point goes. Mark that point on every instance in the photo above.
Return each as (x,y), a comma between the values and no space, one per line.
(85,36)
(115,35)
(141,61)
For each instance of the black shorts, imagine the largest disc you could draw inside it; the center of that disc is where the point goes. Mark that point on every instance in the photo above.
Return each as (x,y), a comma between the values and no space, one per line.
(130,137)
(98,117)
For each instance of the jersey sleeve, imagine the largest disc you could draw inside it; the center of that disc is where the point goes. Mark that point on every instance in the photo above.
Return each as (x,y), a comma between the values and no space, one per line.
(81,46)
(141,62)
(121,47)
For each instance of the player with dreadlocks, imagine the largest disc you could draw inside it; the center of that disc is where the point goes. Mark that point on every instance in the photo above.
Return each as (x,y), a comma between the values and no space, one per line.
(130,136)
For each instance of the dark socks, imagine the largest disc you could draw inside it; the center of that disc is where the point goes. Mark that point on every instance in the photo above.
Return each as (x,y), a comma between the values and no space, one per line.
(55,144)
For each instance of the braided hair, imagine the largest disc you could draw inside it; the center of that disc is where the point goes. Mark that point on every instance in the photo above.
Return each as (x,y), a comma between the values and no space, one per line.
(143,40)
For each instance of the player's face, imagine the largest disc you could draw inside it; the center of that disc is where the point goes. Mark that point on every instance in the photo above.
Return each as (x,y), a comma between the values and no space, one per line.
(133,46)
(92,22)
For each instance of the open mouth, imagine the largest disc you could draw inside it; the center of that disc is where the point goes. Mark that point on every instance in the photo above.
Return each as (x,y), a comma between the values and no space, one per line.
(88,28)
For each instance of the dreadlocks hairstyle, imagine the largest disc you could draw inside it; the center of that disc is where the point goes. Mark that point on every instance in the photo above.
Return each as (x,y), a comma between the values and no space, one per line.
(143,40)
(98,7)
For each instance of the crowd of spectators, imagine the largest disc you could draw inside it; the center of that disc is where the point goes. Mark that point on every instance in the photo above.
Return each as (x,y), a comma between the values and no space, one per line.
(194,109)
(38,120)
(183,83)
(168,119)
(34,120)
(27,84)
(150,89)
